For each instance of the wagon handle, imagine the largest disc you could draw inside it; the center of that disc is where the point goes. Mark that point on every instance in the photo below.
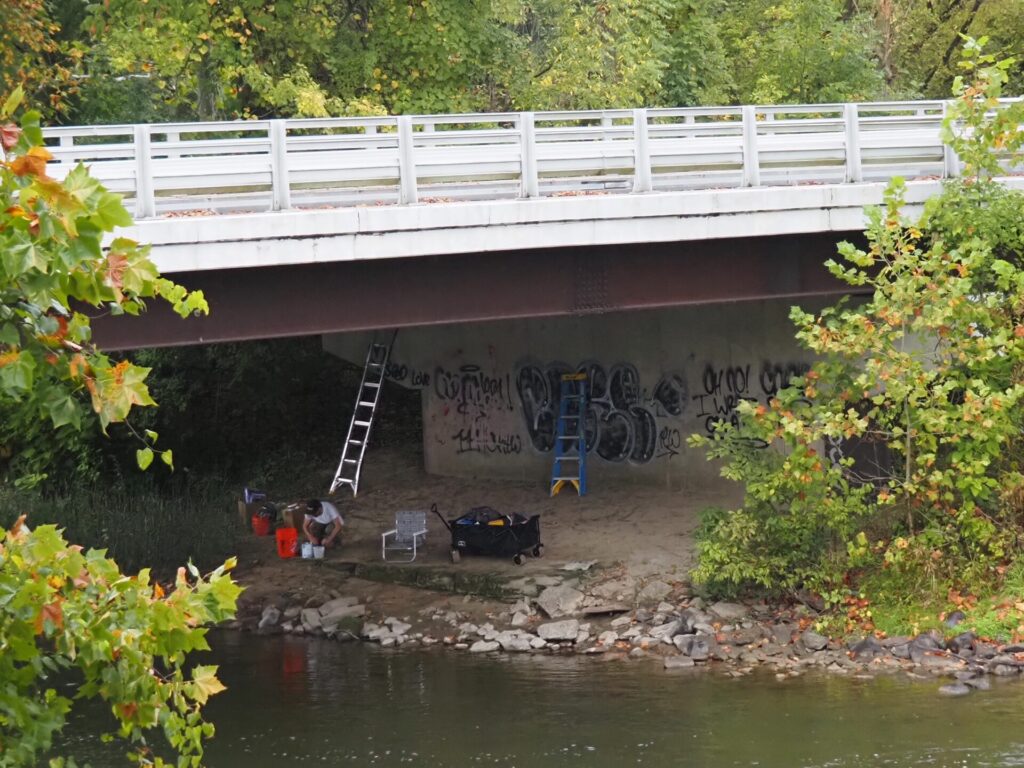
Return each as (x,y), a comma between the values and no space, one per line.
(433,508)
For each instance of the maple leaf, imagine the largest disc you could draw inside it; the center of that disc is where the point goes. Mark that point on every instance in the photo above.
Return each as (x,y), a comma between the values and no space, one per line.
(51,612)
(31,164)
(9,134)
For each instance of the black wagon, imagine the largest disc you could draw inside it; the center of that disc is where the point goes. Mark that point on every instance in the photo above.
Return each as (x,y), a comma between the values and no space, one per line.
(485,531)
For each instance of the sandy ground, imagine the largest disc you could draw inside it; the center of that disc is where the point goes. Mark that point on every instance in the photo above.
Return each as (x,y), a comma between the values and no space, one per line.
(636,529)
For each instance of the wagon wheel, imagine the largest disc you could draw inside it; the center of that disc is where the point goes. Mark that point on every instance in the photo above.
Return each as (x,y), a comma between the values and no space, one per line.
(538,551)
(455,555)
(519,559)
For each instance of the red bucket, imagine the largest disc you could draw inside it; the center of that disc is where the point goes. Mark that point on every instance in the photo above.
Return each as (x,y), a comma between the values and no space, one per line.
(261,525)
(286,541)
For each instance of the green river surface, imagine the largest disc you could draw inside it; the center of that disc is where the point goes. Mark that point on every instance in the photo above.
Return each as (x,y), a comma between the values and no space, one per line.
(299,702)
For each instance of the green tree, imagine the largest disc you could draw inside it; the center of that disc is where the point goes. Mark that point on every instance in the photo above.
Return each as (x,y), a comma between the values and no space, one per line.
(33,56)
(930,368)
(64,612)
(800,51)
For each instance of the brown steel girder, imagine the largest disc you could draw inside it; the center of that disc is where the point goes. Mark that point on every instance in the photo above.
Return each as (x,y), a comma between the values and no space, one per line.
(307,299)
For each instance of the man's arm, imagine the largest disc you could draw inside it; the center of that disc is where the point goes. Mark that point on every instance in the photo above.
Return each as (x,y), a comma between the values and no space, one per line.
(305,529)
(336,529)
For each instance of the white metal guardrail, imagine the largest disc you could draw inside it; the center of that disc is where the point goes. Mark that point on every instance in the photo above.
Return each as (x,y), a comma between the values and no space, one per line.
(314,163)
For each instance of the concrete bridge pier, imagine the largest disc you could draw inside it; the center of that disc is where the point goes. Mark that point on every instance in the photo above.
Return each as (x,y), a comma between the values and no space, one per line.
(490,389)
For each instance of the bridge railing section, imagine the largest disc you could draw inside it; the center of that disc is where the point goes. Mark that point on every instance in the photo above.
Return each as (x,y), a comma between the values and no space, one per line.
(215,167)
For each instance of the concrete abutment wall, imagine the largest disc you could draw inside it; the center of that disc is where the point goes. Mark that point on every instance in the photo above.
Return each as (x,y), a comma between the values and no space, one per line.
(490,390)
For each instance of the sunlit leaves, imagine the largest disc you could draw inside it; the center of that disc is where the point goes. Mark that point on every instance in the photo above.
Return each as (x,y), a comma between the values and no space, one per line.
(124,642)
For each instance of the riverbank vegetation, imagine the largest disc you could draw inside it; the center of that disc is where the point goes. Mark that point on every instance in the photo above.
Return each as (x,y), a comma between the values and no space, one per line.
(892,486)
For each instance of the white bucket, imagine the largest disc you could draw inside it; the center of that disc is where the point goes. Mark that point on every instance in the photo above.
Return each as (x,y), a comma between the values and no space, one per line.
(307,550)
(318,553)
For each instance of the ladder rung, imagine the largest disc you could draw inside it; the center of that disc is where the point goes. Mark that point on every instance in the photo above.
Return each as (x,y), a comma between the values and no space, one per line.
(355,442)
(349,461)
(374,384)
(361,423)
(572,397)
(375,365)
(567,458)
(573,477)
(569,437)
(366,403)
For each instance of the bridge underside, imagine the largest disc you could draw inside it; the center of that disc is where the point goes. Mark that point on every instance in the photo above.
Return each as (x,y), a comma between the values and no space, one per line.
(309,299)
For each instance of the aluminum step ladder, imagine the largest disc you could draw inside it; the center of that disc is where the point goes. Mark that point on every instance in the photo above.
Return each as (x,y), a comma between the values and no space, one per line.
(570,466)
(363,414)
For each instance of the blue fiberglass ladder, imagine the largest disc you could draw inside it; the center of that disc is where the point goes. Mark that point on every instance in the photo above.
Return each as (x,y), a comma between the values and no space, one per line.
(570,442)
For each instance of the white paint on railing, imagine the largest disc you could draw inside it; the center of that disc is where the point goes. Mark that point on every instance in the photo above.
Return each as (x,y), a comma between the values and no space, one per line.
(275,165)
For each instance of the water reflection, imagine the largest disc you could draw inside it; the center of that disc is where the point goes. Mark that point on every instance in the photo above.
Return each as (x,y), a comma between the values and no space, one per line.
(298,702)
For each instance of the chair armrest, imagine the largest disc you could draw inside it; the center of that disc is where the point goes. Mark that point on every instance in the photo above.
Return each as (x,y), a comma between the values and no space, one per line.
(392,532)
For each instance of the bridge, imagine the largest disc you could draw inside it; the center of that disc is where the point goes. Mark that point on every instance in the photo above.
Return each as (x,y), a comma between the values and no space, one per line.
(636,208)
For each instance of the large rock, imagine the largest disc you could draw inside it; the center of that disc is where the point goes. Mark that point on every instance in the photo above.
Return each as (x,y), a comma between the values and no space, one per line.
(559,631)
(667,631)
(559,601)
(271,615)
(654,591)
(310,619)
(330,622)
(729,611)
(339,602)
(866,649)
(513,642)
(483,646)
(813,641)
(696,647)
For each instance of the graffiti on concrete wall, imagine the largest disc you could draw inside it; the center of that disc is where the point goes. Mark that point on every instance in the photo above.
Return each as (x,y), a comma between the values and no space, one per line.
(622,419)
(490,412)
(724,388)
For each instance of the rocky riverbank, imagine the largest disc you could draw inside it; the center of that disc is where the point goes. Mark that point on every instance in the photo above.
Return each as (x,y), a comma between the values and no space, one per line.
(616,617)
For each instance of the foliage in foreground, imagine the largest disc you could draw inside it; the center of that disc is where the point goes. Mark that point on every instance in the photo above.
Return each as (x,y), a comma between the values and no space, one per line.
(926,377)
(65,613)
(69,617)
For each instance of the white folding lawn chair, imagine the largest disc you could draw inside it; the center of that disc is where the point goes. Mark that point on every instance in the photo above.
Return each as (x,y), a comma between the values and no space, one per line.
(408,535)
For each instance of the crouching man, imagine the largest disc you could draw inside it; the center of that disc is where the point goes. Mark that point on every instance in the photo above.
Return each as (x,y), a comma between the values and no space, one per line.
(322,523)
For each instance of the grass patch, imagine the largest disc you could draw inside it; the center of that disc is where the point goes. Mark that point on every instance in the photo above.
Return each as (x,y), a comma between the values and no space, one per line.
(139,528)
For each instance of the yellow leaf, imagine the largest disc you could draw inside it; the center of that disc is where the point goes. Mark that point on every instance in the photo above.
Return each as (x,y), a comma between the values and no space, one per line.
(205,683)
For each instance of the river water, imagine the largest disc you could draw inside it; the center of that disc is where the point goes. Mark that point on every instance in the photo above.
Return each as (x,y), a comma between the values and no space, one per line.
(295,702)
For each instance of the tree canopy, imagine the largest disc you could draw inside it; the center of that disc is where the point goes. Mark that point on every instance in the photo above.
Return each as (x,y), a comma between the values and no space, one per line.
(129,61)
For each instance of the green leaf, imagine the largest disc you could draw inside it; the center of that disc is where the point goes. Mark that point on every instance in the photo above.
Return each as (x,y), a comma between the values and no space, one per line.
(144,457)
(65,411)
(205,683)
(167,458)
(12,102)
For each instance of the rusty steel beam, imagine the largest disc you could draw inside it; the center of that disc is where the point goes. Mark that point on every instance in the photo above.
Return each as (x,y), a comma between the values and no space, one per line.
(331,297)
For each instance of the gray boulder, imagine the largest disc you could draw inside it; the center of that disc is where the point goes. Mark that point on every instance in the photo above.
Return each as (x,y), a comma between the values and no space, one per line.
(330,622)
(269,618)
(559,601)
(483,646)
(813,641)
(654,591)
(559,631)
(339,602)
(310,619)
(729,611)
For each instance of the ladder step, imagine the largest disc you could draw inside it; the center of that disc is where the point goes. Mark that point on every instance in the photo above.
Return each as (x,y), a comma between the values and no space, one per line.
(349,461)
(355,442)
(573,477)
(570,437)
(374,384)
(366,403)
(361,423)
(567,458)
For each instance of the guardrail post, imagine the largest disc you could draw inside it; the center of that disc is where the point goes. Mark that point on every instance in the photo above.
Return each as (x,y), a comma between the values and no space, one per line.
(854,173)
(406,162)
(751,165)
(145,202)
(281,192)
(950,159)
(641,153)
(529,186)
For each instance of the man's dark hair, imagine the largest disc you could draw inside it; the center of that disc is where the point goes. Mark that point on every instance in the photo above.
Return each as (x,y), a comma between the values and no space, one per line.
(313,506)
